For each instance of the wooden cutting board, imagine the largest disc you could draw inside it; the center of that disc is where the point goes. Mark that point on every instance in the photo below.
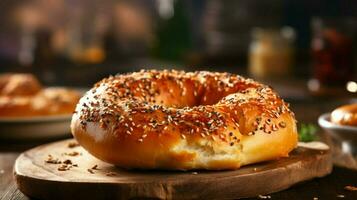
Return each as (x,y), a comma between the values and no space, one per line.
(38,176)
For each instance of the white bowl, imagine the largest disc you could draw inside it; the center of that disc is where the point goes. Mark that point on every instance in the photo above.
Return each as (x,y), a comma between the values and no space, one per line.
(347,135)
(35,127)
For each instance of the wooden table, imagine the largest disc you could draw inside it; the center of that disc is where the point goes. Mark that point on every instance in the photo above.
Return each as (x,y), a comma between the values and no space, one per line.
(329,187)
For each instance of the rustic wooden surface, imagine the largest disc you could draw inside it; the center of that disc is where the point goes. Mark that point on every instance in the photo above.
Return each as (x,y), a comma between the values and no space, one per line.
(93,178)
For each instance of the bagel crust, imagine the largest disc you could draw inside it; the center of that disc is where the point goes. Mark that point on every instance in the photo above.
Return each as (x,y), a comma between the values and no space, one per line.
(183,120)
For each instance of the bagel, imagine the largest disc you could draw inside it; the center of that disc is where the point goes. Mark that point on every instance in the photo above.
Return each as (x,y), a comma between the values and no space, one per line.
(345,115)
(21,95)
(182,121)
(49,101)
(19,85)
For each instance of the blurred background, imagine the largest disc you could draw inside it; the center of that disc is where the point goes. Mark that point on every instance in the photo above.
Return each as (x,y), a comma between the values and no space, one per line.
(302,48)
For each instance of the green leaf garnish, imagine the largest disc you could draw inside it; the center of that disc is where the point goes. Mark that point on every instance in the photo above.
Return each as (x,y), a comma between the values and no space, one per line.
(307,132)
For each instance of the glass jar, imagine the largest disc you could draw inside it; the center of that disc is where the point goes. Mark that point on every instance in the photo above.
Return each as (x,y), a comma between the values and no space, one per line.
(332,51)
(271,52)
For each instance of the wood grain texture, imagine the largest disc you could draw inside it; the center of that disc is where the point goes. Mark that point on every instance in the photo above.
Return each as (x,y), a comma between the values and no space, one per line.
(42,180)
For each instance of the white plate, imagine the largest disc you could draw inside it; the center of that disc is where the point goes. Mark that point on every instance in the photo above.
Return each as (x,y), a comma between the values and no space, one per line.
(342,130)
(346,135)
(35,127)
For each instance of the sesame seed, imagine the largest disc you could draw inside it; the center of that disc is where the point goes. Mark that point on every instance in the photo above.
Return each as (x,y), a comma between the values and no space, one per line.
(274,127)
(282,124)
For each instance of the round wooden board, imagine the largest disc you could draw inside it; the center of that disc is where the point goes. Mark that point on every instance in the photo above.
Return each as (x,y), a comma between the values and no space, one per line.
(39,179)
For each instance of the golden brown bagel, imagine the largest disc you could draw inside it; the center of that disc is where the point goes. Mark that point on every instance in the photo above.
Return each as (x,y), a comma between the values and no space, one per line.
(21,95)
(19,85)
(49,101)
(178,120)
(345,115)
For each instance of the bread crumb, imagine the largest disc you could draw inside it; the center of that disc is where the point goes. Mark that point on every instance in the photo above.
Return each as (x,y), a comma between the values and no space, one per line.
(64,167)
(52,160)
(68,162)
(73,144)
